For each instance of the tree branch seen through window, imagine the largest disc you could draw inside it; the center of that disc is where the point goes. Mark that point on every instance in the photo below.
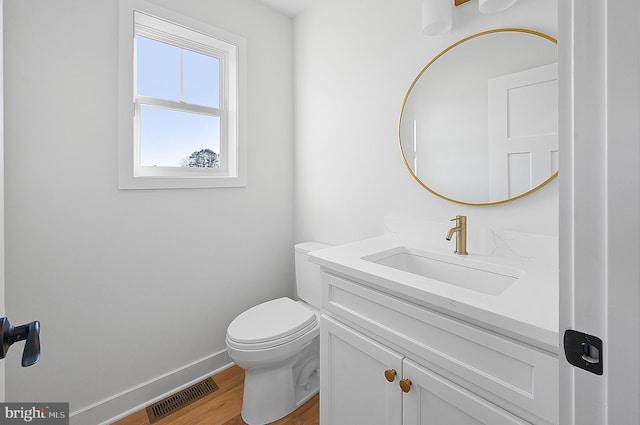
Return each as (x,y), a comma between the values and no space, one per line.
(204,158)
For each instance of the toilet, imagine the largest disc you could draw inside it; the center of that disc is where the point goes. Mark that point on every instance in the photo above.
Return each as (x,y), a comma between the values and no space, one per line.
(277,344)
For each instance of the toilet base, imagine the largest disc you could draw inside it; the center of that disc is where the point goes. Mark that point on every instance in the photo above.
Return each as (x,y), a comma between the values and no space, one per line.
(274,392)
(268,395)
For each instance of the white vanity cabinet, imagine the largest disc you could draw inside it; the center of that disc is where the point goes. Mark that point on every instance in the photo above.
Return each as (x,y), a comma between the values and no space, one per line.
(459,374)
(354,389)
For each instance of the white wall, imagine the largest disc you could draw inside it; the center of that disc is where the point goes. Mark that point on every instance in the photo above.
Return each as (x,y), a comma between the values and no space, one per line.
(131,285)
(354,61)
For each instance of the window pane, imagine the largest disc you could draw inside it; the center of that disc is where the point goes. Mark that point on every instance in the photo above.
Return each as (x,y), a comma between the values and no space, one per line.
(173,138)
(158,69)
(201,79)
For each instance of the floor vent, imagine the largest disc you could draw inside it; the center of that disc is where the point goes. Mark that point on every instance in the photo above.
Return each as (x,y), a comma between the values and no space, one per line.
(181,399)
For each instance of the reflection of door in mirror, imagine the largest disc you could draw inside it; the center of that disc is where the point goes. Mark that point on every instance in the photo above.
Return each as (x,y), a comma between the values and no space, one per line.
(444,127)
(523,130)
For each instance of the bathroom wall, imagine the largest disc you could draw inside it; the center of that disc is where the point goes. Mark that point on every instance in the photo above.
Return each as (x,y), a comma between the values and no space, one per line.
(354,61)
(134,289)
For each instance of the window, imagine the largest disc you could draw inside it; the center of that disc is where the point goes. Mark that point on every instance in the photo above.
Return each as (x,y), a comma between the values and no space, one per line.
(180,102)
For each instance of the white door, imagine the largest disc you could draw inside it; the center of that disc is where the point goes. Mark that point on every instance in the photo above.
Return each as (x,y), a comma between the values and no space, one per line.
(522,130)
(353,378)
(2,396)
(599,205)
(434,400)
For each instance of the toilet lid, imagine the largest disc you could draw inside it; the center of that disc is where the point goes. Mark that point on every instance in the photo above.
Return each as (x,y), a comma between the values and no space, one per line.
(270,321)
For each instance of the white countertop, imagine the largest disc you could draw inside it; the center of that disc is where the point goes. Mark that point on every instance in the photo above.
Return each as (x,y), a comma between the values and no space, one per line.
(527,310)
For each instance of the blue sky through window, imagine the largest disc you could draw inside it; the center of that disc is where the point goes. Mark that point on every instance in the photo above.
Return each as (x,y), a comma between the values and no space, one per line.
(167,136)
(201,79)
(158,69)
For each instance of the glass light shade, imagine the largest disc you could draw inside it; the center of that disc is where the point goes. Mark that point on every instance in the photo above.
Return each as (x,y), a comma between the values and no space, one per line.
(437,16)
(493,6)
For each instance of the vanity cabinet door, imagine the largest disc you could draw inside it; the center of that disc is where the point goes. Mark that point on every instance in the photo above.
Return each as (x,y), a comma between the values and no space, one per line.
(434,400)
(358,385)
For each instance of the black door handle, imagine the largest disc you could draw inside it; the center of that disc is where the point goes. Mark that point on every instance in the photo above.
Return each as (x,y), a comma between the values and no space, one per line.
(30,332)
(583,351)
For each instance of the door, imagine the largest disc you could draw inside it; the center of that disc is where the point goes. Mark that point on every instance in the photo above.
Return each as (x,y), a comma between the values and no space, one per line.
(434,400)
(357,383)
(2,396)
(599,206)
(523,130)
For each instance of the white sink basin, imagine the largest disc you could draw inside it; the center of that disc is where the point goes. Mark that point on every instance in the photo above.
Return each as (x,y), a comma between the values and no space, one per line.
(491,279)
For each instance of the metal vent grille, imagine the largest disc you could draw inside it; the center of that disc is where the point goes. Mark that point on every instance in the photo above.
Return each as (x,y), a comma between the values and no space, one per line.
(165,407)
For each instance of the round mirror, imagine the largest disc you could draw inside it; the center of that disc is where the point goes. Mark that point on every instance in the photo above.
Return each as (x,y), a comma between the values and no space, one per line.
(479,124)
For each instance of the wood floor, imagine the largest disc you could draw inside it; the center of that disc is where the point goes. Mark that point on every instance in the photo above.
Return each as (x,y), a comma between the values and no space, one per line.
(223,407)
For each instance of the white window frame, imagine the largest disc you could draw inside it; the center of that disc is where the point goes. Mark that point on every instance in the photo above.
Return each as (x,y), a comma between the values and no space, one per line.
(138,17)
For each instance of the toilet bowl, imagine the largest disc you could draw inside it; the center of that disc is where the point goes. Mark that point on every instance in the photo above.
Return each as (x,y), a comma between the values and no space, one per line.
(277,344)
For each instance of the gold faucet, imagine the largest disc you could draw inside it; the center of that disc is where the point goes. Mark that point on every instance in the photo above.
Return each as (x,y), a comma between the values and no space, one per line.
(461,234)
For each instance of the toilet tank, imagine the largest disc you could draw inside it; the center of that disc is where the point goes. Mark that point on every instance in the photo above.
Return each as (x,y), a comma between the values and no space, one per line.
(308,273)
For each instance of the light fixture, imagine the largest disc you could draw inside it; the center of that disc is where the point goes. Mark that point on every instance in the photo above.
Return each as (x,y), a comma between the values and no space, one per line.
(437,15)
(489,6)
(493,6)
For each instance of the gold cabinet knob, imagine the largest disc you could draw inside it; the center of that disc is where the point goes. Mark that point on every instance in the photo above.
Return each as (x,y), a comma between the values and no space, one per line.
(390,374)
(405,385)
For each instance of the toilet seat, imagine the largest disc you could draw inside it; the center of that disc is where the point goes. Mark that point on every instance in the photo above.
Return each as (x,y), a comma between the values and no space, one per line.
(270,324)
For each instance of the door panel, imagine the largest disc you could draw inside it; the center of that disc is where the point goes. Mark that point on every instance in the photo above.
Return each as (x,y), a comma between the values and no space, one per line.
(2,312)
(434,400)
(599,206)
(353,384)
(523,130)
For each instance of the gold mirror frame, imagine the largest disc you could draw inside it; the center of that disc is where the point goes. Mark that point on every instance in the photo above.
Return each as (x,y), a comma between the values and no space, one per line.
(415,81)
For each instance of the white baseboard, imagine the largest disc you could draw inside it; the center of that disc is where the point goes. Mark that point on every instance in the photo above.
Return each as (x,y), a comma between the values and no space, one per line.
(121,405)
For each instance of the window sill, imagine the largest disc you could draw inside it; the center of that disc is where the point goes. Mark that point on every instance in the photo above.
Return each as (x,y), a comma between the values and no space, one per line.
(190,182)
